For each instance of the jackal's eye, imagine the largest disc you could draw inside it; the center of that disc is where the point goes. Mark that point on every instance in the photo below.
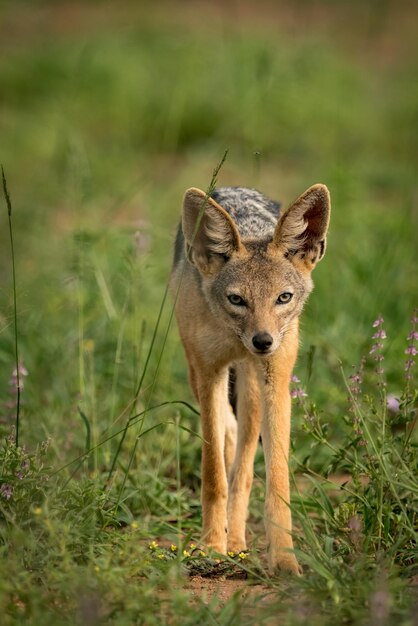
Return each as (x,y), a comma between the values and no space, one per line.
(236,300)
(284,297)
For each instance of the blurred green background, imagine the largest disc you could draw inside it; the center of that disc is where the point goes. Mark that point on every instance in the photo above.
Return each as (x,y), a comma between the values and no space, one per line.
(110,110)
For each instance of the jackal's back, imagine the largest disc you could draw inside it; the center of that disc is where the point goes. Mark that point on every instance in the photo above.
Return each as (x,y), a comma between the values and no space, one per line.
(254,213)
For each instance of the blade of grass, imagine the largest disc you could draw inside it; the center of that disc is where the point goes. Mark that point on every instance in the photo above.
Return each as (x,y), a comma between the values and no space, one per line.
(118,354)
(88,429)
(9,213)
(105,293)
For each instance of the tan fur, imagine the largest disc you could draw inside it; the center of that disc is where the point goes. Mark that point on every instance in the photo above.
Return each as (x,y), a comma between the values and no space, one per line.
(216,334)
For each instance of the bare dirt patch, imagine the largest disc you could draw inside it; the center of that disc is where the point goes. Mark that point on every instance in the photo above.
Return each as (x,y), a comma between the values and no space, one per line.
(224,589)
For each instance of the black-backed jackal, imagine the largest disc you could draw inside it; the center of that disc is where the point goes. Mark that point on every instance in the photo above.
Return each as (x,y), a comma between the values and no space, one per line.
(241,275)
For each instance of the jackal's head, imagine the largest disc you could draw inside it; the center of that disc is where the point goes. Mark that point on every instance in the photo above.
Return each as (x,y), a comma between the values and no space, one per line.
(256,285)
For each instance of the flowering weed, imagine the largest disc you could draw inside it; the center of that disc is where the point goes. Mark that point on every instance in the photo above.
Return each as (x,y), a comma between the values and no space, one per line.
(366,507)
(23,480)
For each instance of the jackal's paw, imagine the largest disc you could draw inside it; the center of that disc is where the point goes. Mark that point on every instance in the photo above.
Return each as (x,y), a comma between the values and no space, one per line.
(217,548)
(214,544)
(236,544)
(284,563)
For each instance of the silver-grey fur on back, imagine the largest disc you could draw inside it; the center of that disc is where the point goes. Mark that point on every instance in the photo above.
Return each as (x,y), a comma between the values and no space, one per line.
(254,214)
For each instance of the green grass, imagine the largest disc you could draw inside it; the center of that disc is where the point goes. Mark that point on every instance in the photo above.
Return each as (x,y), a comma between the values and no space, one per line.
(106,117)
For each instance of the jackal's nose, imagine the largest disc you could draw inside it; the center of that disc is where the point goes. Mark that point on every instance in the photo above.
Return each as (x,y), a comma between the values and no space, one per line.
(262,341)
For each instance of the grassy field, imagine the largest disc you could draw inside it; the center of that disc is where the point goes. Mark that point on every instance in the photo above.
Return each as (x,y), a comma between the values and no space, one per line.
(108,112)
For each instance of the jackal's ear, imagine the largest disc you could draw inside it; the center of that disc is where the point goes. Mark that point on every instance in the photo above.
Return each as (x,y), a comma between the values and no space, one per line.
(210,234)
(302,229)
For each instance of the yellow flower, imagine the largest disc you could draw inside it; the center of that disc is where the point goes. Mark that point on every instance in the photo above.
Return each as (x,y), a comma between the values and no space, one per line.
(134,525)
(231,554)
(173,548)
(242,556)
(153,545)
(192,546)
(96,568)
(161,555)
(37,511)
(202,553)
(186,553)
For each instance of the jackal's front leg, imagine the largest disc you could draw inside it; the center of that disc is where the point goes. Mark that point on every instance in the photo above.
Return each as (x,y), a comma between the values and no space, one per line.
(275,431)
(241,476)
(212,391)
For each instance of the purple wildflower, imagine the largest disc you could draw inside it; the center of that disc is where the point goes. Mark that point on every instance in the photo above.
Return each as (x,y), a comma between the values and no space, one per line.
(379,334)
(411,350)
(23,469)
(378,322)
(377,348)
(354,524)
(298,393)
(356,379)
(23,372)
(11,403)
(6,491)
(392,404)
